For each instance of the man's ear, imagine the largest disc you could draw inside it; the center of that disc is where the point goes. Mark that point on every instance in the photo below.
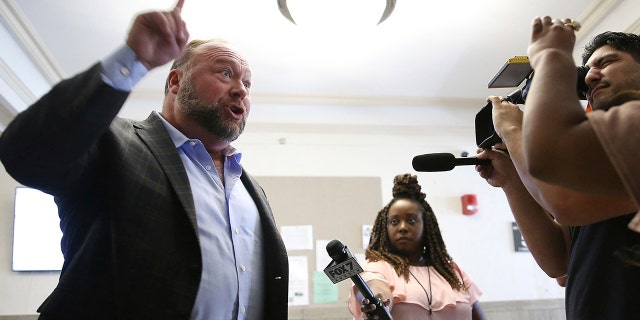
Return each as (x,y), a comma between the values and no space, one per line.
(173,80)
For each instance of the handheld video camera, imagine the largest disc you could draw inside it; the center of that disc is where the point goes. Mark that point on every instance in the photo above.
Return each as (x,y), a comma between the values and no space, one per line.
(512,74)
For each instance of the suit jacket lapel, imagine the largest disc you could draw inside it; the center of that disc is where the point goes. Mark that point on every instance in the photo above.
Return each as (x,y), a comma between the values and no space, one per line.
(155,136)
(260,199)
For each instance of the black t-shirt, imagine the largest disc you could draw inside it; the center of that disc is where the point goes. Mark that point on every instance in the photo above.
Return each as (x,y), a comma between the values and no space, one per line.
(600,285)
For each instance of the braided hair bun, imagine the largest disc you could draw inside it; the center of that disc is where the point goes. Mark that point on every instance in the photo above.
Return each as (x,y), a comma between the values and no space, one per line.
(406,186)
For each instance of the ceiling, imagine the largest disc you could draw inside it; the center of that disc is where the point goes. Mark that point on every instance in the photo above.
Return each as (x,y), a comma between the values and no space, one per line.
(428,55)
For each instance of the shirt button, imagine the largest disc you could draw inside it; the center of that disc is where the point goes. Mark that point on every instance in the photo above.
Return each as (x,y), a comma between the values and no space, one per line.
(192,143)
(208,167)
(244,310)
(236,230)
(125,71)
(243,268)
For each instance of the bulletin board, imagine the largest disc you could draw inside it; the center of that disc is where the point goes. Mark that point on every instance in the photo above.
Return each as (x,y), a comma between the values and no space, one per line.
(335,207)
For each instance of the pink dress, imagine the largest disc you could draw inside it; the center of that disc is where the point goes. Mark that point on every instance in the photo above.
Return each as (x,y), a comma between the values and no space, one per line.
(409,298)
(619,136)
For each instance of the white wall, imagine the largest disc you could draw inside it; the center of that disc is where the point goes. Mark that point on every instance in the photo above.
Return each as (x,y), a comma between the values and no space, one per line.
(382,143)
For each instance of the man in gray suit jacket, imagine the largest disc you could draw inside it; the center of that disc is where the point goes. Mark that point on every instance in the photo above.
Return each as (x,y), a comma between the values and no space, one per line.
(159,219)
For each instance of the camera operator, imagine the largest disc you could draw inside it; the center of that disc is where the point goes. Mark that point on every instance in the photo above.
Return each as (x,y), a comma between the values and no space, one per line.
(600,285)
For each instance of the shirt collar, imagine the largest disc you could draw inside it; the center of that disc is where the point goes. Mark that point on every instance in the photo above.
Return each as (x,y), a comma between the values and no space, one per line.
(179,139)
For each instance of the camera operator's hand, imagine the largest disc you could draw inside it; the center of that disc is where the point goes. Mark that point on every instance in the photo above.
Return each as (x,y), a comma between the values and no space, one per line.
(506,117)
(551,35)
(500,172)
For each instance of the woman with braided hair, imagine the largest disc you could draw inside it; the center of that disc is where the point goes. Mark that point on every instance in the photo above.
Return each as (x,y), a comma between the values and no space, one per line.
(408,266)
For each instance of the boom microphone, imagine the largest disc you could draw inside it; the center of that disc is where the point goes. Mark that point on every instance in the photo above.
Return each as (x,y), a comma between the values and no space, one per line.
(433,162)
(345,265)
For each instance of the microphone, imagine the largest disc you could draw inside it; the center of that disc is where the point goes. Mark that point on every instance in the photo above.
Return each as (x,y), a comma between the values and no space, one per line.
(345,265)
(433,162)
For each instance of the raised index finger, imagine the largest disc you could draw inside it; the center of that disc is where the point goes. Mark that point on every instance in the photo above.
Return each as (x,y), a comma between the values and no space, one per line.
(179,5)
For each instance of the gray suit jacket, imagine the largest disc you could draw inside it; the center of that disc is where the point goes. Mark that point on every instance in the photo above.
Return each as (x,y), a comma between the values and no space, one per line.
(130,238)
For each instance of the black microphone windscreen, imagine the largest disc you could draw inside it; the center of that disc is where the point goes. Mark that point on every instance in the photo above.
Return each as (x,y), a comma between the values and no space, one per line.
(433,162)
(335,249)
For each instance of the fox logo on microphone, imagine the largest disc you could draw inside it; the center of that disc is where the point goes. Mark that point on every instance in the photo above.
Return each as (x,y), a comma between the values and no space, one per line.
(343,270)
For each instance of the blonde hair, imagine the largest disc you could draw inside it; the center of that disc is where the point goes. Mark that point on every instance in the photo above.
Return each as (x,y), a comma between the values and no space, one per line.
(183,61)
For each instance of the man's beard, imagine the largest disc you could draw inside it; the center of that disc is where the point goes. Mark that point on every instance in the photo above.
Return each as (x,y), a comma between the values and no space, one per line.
(208,115)
(616,100)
